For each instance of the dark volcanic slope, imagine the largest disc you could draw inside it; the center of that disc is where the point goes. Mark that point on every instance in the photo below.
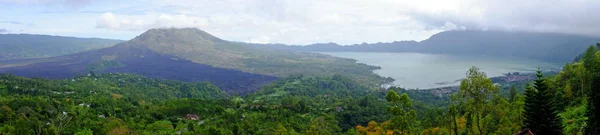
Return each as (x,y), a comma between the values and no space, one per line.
(138,59)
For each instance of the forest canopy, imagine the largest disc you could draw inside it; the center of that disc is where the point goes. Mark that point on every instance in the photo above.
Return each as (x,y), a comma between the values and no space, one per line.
(118,103)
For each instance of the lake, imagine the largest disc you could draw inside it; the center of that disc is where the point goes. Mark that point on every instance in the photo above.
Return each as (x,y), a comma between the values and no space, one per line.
(423,71)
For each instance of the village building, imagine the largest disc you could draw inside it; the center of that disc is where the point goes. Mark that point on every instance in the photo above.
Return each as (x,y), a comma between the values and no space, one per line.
(191,117)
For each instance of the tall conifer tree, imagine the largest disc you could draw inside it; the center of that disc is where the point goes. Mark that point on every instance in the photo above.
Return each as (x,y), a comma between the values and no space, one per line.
(531,111)
(592,67)
(540,111)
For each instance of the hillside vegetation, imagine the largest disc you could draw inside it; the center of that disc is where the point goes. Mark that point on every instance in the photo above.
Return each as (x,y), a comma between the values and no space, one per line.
(124,104)
(119,104)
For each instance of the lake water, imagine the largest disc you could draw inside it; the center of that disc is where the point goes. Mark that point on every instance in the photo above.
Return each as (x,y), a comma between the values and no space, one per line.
(418,70)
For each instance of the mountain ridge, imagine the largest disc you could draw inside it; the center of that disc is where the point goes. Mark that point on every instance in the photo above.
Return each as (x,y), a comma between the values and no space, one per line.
(553,47)
(130,58)
(28,46)
(245,57)
(190,54)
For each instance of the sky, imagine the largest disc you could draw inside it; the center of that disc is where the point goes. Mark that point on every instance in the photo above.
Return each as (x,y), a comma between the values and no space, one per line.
(298,22)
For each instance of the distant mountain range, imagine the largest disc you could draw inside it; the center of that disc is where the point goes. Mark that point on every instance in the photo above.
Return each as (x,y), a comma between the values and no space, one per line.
(551,47)
(25,46)
(191,54)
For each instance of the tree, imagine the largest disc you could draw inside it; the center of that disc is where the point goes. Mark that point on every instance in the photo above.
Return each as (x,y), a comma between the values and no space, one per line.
(85,132)
(22,127)
(591,64)
(516,112)
(513,93)
(119,131)
(453,112)
(372,129)
(61,121)
(531,114)
(7,129)
(37,125)
(480,108)
(6,113)
(475,97)
(404,115)
(162,127)
(280,130)
(114,126)
(323,125)
(540,111)
(574,119)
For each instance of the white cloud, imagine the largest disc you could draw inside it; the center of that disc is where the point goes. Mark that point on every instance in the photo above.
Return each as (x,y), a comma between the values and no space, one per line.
(138,23)
(356,21)
(284,21)
(260,40)
(179,21)
(108,20)
(562,16)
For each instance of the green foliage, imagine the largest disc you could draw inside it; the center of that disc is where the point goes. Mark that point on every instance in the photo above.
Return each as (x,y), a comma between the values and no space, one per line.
(324,125)
(540,113)
(298,104)
(475,94)
(512,93)
(131,104)
(85,132)
(591,64)
(404,115)
(574,119)
(483,110)
(311,86)
(116,85)
(162,127)
(108,103)
(576,89)
(361,111)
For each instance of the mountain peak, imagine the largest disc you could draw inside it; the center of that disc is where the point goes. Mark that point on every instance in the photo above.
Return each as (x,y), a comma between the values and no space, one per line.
(176,40)
(177,34)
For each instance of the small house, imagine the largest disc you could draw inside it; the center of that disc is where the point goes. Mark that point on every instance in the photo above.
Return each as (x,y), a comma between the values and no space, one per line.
(191,117)
(339,109)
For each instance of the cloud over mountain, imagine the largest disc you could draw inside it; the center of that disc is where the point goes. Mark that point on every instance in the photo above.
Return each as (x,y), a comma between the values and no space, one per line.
(110,21)
(311,21)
